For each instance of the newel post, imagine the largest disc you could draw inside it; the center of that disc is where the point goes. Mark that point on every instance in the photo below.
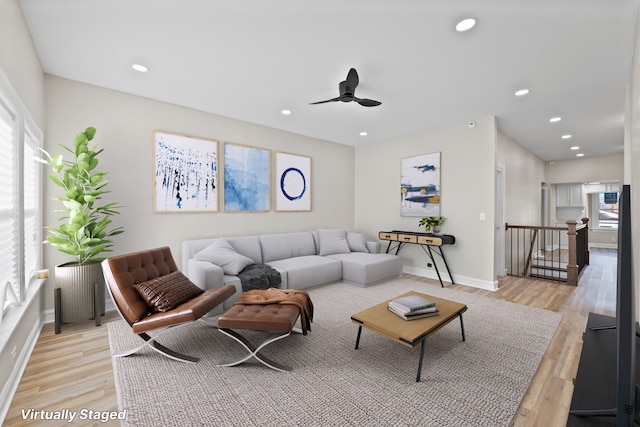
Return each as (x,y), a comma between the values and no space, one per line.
(572,265)
(585,221)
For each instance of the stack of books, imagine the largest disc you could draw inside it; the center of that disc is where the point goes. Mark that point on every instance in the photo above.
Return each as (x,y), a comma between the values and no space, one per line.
(413,307)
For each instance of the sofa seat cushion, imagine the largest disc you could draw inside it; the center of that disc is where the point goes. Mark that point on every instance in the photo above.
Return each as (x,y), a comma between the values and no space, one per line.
(365,268)
(306,271)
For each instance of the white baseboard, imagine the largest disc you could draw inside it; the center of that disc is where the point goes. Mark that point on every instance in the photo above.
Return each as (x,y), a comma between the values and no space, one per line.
(460,280)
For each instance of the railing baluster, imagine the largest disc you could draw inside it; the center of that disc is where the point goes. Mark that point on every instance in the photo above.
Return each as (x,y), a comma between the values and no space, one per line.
(553,262)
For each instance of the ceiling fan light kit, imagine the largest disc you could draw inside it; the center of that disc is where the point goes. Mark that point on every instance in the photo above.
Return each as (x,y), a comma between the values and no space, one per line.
(347,90)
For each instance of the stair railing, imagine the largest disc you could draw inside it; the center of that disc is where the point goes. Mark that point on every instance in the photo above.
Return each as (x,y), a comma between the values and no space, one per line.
(553,253)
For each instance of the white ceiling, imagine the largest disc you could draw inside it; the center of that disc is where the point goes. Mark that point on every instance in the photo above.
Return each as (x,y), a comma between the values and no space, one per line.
(249,59)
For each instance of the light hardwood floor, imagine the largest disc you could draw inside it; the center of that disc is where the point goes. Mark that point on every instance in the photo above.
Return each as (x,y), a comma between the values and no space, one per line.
(73,370)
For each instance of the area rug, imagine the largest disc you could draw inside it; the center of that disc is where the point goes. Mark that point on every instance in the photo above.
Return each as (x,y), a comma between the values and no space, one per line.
(479,382)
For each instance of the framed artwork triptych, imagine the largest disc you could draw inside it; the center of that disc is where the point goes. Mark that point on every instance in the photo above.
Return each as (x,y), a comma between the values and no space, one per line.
(190,175)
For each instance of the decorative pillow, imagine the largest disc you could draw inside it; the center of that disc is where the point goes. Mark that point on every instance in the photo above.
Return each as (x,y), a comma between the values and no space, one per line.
(333,242)
(166,292)
(357,242)
(221,253)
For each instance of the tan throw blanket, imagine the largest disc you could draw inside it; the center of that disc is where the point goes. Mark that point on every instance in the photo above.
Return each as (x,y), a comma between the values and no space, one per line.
(282,296)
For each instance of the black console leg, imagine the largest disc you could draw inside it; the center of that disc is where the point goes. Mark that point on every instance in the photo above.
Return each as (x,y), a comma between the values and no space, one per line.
(435,265)
(446,265)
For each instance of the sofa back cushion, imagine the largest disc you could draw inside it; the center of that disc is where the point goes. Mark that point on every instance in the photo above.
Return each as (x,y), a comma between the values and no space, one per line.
(222,254)
(333,241)
(189,249)
(287,245)
(248,246)
(357,242)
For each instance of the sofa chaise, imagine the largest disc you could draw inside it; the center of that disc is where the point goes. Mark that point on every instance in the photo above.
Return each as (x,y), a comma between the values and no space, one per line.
(303,259)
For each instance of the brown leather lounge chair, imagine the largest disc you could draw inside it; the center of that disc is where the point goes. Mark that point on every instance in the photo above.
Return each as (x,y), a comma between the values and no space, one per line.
(150,293)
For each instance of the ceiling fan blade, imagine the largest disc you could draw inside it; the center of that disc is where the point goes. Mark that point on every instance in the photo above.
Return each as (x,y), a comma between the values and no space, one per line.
(323,102)
(342,88)
(367,102)
(352,81)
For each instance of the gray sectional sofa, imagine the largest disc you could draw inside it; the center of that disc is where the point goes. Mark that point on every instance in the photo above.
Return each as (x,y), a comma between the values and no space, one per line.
(303,259)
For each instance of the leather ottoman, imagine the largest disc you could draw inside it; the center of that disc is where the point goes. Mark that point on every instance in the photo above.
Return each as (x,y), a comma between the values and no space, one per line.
(280,318)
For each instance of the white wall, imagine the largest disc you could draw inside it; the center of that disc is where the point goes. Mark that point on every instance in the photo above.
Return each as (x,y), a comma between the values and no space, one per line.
(524,175)
(589,169)
(467,189)
(125,124)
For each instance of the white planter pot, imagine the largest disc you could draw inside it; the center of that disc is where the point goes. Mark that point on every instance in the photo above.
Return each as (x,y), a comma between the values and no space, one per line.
(77,284)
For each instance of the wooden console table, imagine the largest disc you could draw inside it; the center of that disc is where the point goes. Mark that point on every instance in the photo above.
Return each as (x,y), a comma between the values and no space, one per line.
(425,240)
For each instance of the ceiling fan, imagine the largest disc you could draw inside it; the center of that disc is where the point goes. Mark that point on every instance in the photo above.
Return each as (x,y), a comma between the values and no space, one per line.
(347,90)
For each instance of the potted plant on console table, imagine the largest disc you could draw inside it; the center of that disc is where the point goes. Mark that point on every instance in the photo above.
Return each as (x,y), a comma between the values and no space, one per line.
(432,223)
(83,231)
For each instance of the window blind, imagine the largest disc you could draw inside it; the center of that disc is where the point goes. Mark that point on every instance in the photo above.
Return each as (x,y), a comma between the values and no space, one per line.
(31,202)
(8,201)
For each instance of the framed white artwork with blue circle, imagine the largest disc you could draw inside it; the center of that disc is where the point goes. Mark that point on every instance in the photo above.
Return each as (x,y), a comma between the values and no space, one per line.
(292,182)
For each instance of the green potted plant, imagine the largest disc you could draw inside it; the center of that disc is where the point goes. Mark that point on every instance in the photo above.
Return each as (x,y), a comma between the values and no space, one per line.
(432,223)
(83,232)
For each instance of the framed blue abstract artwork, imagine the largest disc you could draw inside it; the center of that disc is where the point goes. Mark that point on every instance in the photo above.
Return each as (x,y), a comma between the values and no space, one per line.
(420,185)
(292,182)
(246,178)
(185,173)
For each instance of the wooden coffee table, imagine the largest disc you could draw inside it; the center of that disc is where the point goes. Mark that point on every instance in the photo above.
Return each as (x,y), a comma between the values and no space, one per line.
(409,333)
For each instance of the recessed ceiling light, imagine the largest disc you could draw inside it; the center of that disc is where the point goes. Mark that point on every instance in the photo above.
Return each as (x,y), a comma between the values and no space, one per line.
(363,133)
(575,148)
(286,112)
(140,67)
(555,119)
(579,155)
(565,136)
(465,25)
(522,92)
